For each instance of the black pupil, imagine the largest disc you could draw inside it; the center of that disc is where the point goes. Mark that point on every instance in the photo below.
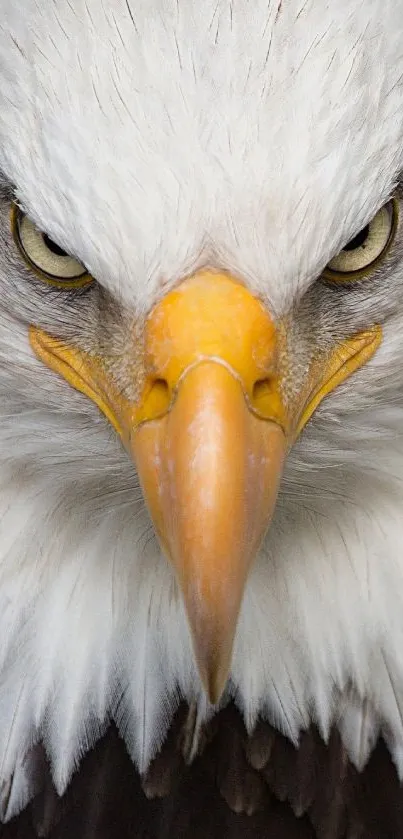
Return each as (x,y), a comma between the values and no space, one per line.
(358,240)
(53,247)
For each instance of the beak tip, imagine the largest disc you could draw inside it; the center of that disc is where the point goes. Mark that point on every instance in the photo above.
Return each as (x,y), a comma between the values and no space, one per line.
(214,695)
(214,680)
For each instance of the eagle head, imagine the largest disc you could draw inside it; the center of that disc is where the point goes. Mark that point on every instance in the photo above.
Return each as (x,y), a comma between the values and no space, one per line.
(201,346)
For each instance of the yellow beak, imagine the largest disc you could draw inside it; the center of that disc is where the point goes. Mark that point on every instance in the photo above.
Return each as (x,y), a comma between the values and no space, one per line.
(209,435)
(210,464)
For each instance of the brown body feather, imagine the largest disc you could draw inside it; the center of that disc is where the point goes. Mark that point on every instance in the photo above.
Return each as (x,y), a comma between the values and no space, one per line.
(237,786)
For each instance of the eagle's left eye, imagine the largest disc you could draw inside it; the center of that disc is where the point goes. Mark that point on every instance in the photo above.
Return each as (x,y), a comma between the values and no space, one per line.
(363,253)
(48,261)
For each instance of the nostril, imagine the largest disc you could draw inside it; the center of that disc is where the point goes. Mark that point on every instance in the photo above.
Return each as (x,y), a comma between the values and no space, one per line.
(263,388)
(159,398)
(161,387)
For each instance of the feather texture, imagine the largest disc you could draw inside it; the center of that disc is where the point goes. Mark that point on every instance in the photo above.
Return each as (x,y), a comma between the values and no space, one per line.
(203,163)
(220,793)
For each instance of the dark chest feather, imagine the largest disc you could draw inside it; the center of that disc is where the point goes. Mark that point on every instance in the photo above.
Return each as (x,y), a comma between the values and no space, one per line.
(237,787)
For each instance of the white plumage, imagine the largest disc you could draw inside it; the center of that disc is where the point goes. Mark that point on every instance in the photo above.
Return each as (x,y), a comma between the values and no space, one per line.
(149,140)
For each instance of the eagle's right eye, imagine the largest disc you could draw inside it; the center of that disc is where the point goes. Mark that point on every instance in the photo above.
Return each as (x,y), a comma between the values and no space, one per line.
(48,261)
(363,253)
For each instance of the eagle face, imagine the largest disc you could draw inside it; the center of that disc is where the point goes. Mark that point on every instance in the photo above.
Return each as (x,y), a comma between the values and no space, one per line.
(201,334)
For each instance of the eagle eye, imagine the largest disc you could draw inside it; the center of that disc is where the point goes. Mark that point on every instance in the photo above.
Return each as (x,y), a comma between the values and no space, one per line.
(47,259)
(362,254)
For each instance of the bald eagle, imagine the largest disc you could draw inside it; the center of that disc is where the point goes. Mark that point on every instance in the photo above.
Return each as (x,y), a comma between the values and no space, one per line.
(201,414)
